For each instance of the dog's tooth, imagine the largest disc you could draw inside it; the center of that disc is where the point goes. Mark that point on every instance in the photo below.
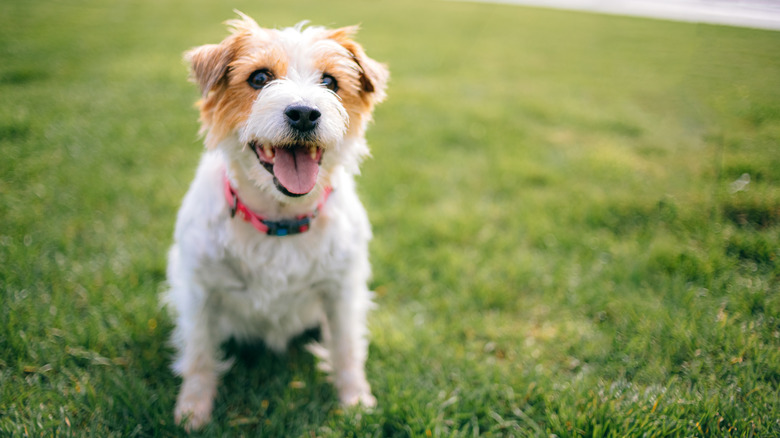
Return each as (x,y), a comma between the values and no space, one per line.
(313,152)
(269,151)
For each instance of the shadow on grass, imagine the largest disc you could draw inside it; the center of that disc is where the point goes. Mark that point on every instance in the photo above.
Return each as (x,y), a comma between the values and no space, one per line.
(263,385)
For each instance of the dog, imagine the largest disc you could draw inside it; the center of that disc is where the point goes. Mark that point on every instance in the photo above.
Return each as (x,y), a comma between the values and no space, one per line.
(271,239)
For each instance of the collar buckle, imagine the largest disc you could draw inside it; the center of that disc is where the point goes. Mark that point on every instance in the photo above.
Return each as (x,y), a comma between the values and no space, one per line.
(286,227)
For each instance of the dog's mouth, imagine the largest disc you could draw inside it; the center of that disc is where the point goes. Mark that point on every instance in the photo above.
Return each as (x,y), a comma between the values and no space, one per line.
(295,167)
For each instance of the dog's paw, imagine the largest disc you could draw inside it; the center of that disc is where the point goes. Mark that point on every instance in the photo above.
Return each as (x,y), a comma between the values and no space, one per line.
(194,404)
(193,414)
(354,393)
(363,399)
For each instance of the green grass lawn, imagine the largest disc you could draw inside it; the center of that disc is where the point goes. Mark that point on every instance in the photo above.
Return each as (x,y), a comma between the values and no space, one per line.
(560,248)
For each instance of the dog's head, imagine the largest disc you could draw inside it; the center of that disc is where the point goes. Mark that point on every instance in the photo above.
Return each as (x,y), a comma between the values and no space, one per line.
(287,106)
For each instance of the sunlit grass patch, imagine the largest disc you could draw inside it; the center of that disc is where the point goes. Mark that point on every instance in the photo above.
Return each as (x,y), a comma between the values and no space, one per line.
(575,218)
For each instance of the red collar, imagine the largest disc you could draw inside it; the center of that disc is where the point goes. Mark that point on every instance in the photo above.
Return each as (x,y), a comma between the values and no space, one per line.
(284,227)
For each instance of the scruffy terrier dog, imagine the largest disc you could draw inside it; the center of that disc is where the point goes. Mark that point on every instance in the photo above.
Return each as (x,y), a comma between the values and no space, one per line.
(271,239)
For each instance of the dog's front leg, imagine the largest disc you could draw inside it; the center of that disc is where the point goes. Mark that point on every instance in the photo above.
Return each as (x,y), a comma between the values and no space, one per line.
(347,345)
(199,368)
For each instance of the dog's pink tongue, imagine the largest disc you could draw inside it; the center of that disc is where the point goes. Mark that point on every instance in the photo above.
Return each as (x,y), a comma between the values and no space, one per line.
(296,170)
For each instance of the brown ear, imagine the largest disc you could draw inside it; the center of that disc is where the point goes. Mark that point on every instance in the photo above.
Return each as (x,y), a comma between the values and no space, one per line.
(374,78)
(373,75)
(209,65)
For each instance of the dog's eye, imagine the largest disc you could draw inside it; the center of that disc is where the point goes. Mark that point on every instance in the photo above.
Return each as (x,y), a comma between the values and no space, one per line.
(330,83)
(259,78)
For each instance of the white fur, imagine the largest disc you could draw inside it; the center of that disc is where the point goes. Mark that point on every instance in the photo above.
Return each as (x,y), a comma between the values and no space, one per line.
(227,279)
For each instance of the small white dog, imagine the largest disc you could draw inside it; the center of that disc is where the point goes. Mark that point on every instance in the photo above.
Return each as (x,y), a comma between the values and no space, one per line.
(271,239)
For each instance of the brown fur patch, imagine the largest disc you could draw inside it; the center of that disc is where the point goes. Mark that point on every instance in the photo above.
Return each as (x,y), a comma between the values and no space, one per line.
(373,75)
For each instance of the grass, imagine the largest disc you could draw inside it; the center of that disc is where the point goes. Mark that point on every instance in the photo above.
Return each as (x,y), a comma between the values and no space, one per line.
(559,246)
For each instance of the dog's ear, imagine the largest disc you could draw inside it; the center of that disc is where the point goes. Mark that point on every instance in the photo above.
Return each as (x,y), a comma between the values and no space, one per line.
(209,65)
(373,75)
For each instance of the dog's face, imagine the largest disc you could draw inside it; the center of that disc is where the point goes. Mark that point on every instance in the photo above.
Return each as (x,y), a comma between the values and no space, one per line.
(287,106)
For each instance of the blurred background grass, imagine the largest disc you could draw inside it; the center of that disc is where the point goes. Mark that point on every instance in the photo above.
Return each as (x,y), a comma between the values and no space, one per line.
(564,243)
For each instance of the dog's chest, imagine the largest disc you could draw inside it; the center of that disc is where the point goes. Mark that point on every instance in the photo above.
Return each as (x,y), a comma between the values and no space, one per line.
(275,287)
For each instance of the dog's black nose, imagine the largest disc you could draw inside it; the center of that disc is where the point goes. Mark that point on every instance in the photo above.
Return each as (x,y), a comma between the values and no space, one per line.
(302,118)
